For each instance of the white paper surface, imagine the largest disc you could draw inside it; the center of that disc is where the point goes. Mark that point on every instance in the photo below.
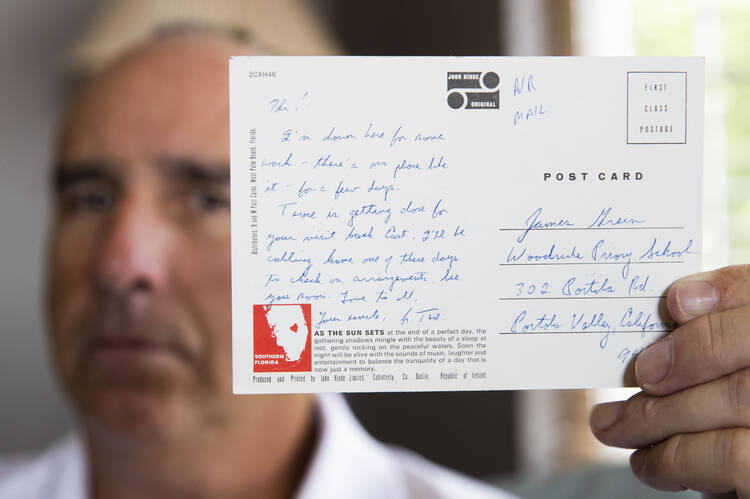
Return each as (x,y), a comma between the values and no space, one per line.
(411,233)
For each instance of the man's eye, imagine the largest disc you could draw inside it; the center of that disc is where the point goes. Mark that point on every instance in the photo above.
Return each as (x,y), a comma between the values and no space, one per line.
(88,200)
(209,201)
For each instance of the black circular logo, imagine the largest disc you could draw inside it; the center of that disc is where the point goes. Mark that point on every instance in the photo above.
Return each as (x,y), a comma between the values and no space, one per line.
(455,100)
(491,79)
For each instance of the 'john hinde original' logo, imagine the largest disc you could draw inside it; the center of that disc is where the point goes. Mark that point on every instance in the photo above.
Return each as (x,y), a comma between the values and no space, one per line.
(487,95)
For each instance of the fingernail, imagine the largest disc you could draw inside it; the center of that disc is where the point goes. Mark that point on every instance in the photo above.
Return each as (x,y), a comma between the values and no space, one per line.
(637,460)
(652,365)
(697,297)
(605,415)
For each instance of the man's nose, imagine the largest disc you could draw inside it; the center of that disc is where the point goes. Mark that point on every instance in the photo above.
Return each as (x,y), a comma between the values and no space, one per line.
(132,252)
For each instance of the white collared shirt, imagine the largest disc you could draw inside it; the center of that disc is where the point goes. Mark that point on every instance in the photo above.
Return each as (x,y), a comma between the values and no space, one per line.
(347,463)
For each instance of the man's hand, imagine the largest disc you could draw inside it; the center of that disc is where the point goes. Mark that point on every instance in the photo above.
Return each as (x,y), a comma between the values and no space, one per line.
(691,422)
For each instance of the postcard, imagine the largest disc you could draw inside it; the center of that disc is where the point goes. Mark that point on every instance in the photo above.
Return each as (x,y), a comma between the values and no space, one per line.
(458,223)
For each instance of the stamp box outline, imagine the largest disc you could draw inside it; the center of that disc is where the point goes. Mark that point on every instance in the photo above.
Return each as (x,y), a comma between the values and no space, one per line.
(627,108)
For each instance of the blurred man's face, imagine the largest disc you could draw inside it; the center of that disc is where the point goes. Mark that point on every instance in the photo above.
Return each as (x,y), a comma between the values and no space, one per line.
(140,270)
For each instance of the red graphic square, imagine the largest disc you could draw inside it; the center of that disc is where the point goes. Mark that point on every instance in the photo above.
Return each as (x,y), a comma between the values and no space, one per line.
(282,338)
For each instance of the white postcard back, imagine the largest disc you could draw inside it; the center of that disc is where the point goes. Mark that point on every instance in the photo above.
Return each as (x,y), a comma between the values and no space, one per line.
(444,223)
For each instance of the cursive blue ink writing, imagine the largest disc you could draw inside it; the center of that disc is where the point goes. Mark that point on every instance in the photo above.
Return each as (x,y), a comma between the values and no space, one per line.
(591,287)
(328,162)
(344,189)
(334,260)
(272,163)
(334,137)
(324,318)
(366,210)
(542,323)
(392,279)
(397,137)
(666,251)
(384,188)
(405,165)
(275,238)
(605,219)
(533,222)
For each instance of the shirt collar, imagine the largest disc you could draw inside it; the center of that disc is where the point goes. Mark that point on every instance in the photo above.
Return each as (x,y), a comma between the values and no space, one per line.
(347,462)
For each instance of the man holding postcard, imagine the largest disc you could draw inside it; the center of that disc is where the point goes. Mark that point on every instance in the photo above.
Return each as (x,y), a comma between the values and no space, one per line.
(140,275)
